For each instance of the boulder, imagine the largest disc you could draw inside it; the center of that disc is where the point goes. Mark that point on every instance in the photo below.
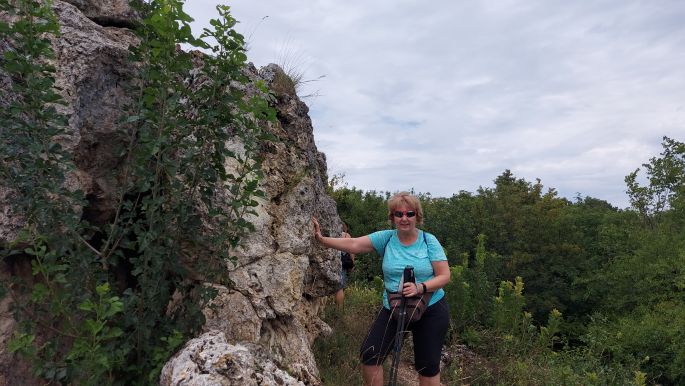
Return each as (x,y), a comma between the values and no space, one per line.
(107,12)
(212,361)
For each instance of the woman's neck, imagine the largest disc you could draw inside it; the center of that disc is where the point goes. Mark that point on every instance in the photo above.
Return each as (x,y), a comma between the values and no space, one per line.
(408,237)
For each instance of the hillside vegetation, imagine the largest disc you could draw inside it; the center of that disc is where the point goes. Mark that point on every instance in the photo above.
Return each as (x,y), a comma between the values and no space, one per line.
(545,290)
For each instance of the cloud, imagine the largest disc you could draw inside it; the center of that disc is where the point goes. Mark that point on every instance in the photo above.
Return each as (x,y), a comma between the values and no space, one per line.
(444,96)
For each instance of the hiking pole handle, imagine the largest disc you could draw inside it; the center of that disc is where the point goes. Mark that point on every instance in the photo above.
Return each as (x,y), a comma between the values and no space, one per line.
(409,274)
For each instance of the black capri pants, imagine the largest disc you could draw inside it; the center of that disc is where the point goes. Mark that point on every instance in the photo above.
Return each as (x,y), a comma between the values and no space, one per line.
(428,335)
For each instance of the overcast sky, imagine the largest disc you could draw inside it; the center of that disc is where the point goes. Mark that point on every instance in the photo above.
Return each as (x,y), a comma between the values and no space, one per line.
(443,96)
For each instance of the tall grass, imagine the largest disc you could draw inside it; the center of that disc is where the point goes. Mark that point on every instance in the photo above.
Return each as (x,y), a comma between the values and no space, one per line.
(337,355)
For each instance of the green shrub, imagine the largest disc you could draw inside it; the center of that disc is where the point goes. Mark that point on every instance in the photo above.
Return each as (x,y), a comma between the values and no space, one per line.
(98,309)
(649,338)
(470,294)
(337,355)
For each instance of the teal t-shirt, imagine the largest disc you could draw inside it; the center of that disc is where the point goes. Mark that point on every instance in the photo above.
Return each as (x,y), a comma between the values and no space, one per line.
(419,255)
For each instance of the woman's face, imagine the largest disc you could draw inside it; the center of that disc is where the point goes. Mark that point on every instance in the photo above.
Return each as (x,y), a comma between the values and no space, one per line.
(407,219)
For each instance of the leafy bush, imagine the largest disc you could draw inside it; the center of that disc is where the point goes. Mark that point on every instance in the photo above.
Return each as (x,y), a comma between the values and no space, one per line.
(337,355)
(97,310)
(470,292)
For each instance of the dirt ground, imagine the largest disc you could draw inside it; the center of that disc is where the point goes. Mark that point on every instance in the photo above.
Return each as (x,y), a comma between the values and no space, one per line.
(407,376)
(469,362)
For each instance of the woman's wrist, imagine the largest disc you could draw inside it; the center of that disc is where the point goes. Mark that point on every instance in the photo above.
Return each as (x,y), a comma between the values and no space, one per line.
(423,285)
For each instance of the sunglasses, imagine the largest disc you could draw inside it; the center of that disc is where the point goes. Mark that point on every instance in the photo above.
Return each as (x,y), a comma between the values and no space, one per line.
(399,213)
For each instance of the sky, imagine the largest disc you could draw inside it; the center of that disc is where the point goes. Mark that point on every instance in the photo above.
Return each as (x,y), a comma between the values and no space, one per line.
(443,96)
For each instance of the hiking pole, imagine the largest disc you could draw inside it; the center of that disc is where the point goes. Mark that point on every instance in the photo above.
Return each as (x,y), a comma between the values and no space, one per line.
(407,277)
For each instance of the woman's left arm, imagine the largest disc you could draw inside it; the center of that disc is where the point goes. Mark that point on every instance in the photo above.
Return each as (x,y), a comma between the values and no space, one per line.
(441,269)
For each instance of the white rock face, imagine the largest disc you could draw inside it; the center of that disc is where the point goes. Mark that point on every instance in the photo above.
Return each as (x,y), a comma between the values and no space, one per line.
(281,274)
(107,12)
(210,360)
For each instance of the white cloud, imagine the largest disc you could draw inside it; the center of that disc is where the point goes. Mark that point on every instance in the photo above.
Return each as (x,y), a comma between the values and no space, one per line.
(443,96)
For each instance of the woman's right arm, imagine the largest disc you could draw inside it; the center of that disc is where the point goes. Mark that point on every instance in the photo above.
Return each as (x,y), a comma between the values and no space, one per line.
(350,245)
(347,236)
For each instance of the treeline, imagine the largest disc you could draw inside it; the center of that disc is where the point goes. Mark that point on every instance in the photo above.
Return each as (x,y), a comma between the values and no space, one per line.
(592,278)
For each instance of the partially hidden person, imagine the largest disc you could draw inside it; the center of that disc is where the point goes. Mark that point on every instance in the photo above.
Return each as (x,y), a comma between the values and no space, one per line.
(401,246)
(347,265)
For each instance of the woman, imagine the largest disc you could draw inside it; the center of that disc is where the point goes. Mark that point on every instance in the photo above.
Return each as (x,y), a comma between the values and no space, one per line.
(402,246)
(345,261)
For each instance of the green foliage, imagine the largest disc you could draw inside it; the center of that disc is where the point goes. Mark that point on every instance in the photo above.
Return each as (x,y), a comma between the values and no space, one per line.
(34,164)
(617,276)
(454,222)
(100,307)
(94,354)
(470,291)
(666,188)
(548,334)
(641,289)
(162,352)
(649,338)
(509,306)
(337,355)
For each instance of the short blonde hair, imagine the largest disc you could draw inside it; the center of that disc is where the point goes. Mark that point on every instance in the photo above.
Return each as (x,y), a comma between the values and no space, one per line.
(407,199)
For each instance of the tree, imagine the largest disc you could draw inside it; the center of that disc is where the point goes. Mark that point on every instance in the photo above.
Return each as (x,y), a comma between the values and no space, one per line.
(666,183)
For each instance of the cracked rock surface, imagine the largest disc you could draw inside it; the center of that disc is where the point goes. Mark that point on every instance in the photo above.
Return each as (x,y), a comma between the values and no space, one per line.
(210,360)
(258,331)
(281,273)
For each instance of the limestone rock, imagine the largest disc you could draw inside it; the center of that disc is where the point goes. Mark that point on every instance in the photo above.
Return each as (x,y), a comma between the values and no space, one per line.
(93,67)
(267,320)
(210,360)
(107,12)
(281,274)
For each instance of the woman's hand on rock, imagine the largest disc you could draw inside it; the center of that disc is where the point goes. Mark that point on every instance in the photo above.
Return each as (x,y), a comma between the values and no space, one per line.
(317,228)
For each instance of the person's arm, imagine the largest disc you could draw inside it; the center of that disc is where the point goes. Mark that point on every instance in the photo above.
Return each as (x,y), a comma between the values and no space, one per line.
(441,269)
(442,276)
(347,236)
(350,245)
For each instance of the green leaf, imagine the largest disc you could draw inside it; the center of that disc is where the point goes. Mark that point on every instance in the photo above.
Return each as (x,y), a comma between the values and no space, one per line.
(39,293)
(102,289)
(20,342)
(94,326)
(87,305)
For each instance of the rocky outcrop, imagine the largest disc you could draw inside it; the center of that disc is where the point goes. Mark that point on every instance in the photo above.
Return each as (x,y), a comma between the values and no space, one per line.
(280,276)
(116,13)
(92,65)
(211,360)
(259,330)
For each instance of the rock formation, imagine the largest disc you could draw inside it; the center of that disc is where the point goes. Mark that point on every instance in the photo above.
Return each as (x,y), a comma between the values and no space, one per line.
(280,276)
(260,330)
